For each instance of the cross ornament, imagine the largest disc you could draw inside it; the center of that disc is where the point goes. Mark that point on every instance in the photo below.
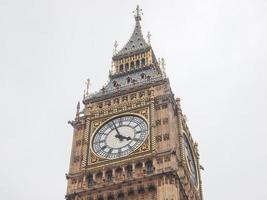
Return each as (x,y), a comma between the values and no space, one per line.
(138,13)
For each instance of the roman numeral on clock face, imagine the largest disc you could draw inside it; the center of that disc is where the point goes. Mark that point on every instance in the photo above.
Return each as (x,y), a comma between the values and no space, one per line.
(129,146)
(119,152)
(99,141)
(136,139)
(103,147)
(141,131)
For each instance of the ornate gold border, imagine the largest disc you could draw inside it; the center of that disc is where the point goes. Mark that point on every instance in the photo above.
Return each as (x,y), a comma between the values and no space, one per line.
(93,159)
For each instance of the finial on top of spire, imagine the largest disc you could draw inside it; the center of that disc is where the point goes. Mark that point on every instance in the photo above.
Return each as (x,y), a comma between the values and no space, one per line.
(137,13)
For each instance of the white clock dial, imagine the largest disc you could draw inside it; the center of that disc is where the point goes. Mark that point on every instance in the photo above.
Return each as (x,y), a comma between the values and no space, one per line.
(120,136)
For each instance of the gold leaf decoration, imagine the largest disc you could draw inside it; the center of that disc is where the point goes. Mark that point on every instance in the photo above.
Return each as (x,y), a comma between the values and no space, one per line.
(93,158)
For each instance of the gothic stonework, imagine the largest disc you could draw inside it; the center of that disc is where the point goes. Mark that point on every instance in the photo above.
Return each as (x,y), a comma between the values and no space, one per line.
(131,140)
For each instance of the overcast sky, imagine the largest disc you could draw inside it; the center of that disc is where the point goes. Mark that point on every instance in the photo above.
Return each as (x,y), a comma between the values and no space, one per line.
(215,51)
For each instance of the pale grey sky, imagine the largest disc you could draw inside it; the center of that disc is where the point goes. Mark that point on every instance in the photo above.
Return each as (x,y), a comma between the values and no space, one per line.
(215,51)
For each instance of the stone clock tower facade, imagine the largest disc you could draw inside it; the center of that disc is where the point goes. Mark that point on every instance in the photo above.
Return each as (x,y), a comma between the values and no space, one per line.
(131,140)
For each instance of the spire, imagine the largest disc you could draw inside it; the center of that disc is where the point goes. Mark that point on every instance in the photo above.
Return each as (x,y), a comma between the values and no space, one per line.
(136,41)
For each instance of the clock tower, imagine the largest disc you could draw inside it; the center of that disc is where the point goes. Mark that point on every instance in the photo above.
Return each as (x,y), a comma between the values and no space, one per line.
(131,140)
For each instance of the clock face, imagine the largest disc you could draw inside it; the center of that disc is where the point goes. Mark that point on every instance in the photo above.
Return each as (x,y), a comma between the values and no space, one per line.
(120,136)
(190,161)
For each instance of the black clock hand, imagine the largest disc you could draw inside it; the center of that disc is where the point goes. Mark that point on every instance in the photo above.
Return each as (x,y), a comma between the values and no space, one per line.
(119,136)
(127,138)
(116,128)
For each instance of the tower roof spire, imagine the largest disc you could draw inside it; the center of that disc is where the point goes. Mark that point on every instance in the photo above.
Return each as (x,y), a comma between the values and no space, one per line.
(136,41)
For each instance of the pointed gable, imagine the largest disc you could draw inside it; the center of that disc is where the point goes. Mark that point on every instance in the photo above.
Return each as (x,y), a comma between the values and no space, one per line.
(136,43)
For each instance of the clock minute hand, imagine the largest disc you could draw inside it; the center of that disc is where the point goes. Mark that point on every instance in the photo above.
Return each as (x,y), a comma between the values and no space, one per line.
(119,136)
(116,128)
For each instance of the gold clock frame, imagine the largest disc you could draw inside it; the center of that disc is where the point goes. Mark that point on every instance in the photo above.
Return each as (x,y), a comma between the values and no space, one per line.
(144,148)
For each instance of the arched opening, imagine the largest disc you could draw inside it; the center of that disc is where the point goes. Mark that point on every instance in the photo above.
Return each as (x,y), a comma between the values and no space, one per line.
(132,65)
(99,177)
(90,179)
(149,167)
(138,168)
(116,101)
(126,67)
(143,62)
(109,175)
(138,165)
(137,63)
(121,68)
(129,170)
(118,172)
(125,98)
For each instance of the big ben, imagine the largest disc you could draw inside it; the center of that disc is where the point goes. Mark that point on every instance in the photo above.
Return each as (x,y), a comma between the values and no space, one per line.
(131,140)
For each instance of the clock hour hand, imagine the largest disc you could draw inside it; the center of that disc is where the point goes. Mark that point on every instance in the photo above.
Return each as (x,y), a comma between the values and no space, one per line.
(120,137)
(127,138)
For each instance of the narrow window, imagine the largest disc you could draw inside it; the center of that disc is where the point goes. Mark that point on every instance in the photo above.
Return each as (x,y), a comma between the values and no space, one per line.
(132,65)
(90,179)
(143,61)
(137,63)
(129,170)
(126,67)
(109,176)
(121,68)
